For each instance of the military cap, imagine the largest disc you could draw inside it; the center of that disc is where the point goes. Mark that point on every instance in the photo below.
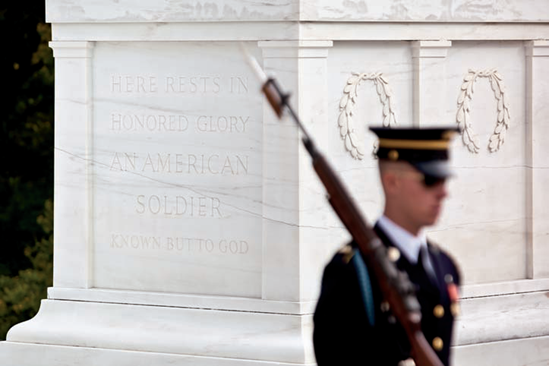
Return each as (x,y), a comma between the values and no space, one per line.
(424,148)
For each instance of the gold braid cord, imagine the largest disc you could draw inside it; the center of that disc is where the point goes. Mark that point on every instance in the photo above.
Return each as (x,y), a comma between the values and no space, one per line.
(470,139)
(348,101)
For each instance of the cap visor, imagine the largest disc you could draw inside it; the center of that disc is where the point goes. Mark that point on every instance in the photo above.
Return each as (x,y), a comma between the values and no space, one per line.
(437,169)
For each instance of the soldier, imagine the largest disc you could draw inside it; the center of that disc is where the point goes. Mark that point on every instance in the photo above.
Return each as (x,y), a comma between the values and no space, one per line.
(353,323)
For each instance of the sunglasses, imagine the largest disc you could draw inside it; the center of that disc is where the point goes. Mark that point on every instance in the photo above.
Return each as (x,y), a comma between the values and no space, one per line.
(428,181)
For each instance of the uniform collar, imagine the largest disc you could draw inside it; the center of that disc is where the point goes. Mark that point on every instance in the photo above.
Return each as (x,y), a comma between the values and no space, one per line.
(407,243)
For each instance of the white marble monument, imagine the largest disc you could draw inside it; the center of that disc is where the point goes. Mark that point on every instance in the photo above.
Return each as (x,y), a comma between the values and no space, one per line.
(190,228)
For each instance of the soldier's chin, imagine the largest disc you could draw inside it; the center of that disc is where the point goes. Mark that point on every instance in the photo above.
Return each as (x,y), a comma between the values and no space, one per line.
(435,214)
(433,219)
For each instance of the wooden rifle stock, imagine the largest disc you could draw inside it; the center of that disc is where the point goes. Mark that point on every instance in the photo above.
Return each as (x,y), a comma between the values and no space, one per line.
(397,289)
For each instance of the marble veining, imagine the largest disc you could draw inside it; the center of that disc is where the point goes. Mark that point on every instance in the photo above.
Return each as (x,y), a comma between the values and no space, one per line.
(190,227)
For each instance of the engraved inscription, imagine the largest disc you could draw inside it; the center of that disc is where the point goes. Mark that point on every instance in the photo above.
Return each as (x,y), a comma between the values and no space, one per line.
(193,84)
(189,206)
(177,123)
(239,85)
(222,123)
(181,163)
(178,84)
(177,169)
(134,84)
(179,244)
(148,122)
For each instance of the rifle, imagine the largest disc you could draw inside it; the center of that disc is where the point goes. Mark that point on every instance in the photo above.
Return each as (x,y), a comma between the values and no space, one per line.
(395,285)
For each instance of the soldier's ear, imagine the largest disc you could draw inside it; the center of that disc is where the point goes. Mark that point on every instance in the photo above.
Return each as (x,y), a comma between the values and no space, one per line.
(390,181)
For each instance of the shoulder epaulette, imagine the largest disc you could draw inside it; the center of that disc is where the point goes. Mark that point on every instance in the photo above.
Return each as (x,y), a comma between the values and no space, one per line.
(346,252)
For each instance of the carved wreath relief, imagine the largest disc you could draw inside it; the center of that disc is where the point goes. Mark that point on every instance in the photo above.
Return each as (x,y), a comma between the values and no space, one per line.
(470,139)
(348,101)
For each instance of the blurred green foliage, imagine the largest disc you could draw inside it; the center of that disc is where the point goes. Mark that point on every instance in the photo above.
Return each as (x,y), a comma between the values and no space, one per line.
(26,168)
(20,295)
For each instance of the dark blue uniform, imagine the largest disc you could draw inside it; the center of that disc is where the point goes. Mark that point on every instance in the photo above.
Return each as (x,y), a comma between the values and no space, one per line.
(342,333)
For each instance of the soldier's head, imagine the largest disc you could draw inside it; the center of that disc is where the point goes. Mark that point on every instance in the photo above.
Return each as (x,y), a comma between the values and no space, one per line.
(413,165)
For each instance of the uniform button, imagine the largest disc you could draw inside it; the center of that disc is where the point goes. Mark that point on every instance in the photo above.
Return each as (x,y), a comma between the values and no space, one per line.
(407,362)
(437,344)
(393,254)
(455,309)
(392,155)
(438,311)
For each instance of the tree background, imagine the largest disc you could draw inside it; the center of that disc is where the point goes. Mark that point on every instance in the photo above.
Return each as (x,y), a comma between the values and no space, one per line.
(26,153)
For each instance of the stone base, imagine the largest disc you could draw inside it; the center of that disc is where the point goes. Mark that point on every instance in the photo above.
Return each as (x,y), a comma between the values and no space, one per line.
(520,352)
(24,354)
(504,330)
(105,327)
(83,333)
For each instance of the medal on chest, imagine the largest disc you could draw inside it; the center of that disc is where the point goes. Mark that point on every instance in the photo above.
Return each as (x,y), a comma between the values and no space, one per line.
(453,294)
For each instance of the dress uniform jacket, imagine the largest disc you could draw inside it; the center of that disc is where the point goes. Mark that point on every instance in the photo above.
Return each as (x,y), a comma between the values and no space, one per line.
(342,333)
